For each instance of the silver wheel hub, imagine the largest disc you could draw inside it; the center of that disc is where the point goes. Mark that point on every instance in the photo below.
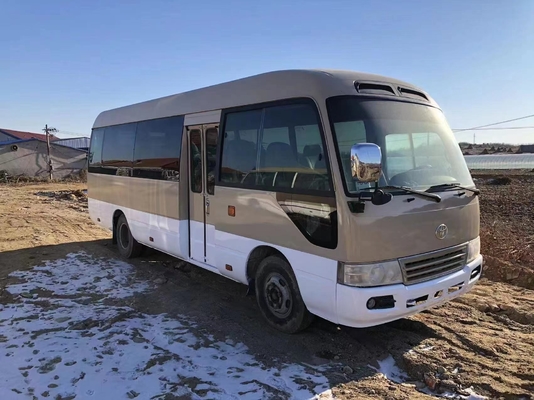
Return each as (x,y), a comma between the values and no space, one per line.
(278,295)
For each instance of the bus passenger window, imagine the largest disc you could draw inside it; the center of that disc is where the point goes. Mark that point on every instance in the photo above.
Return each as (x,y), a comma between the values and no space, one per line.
(119,145)
(288,155)
(294,150)
(240,143)
(158,144)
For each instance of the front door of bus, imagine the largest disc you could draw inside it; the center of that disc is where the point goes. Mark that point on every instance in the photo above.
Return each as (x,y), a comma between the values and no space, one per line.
(202,158)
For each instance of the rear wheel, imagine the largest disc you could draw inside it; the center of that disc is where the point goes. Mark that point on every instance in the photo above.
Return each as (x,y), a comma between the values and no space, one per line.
(279,298)
(128,246)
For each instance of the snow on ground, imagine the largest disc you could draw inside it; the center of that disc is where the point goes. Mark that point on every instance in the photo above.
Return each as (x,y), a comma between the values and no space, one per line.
(471,395)
(389,369)
(63,339)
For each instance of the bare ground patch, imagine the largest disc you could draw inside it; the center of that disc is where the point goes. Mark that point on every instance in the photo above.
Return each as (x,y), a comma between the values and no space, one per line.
(481,341)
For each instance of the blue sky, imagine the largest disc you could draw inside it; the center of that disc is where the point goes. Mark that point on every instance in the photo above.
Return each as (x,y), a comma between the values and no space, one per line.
(65,61)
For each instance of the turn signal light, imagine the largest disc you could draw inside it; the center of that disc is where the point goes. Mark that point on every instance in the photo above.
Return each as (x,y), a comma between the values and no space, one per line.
(231,211)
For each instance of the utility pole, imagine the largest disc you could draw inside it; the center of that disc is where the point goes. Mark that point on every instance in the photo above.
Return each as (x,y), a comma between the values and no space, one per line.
(47,131)
(474,141)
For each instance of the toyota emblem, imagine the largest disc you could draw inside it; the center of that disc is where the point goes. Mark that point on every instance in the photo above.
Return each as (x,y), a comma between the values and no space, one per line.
(441,231)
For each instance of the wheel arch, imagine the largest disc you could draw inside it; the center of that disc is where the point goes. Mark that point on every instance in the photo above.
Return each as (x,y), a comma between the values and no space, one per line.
(116,216)
(313,275)
(297,316)
(256,256)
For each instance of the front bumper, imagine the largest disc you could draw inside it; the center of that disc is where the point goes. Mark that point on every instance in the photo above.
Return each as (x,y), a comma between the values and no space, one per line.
(351,302)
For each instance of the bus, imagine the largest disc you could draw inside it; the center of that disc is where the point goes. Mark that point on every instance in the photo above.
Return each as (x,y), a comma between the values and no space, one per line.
(336,194)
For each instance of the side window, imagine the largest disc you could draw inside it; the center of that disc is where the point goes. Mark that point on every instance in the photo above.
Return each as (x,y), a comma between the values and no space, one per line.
(119,145)
(240,144)
(289,154)
(293,154)
(157,148)
(95,152)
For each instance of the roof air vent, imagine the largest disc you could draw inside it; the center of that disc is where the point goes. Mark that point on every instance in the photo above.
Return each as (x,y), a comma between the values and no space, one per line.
(412,93)
(373,88)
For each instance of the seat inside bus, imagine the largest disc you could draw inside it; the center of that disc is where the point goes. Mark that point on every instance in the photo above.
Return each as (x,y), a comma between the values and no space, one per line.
(240,157)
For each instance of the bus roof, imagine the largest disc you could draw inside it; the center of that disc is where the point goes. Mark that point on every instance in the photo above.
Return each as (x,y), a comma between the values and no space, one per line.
(270,86)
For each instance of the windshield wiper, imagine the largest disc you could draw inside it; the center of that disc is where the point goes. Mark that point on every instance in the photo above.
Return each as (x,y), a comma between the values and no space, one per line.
(453,185)
(421,193)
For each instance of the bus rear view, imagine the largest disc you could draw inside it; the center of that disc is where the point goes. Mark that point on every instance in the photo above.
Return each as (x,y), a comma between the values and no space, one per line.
(335,194)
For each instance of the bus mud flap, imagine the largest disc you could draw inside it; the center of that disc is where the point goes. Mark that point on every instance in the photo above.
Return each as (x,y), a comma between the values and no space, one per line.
(251,287)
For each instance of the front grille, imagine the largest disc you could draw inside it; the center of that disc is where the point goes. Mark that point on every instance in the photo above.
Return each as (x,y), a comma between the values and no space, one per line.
(425,267)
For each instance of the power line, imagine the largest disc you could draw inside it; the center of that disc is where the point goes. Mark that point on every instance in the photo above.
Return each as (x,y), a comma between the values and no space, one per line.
(495,123)
(494,129)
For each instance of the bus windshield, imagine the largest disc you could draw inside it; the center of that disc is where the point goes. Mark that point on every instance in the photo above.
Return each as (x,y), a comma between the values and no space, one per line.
(418,147)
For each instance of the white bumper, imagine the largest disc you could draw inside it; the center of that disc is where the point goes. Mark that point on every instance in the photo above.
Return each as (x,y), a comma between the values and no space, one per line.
(352,308)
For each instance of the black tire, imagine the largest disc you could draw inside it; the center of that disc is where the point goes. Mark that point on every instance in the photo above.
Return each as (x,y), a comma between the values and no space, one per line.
(279,298)
(128,246)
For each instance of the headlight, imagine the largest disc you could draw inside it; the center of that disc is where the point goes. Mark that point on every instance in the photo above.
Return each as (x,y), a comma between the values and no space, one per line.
(473,249)
(379,274)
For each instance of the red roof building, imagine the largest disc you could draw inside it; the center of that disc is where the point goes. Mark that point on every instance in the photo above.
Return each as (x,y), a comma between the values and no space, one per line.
(6,133)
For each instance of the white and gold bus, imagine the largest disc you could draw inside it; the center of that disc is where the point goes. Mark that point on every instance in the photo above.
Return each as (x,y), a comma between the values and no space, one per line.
(335,194)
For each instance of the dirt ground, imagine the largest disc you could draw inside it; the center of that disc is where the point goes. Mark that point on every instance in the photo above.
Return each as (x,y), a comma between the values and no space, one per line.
(507,230)
(483,342)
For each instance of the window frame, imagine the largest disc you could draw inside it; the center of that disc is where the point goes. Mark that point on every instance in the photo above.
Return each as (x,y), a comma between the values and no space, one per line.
(262,106)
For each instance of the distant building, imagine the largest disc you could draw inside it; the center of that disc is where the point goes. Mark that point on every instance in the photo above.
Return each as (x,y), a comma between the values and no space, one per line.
(526,148)
(26,154)
(80,143)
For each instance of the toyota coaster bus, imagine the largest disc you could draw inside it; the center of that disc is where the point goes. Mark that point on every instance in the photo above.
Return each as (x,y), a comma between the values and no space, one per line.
(331,193)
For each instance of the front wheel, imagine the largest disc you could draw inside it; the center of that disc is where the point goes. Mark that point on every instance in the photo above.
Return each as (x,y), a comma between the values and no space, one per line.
(128,246)
(279,298)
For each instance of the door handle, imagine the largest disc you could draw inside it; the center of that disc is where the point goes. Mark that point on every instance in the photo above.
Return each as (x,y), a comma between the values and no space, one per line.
(207,206)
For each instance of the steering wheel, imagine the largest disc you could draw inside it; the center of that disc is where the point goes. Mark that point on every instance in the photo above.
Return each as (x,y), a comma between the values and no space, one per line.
(424,166)
(404,179)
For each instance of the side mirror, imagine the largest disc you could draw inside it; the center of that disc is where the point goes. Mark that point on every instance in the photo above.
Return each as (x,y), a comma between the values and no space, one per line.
(365,160)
